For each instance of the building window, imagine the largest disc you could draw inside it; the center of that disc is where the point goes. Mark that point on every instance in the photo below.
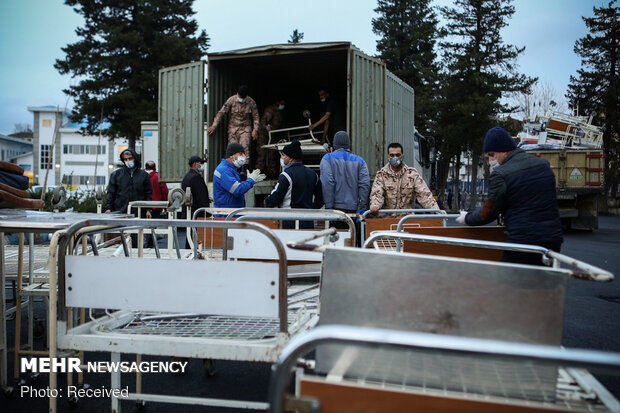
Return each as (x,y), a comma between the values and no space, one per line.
(84,149)
(45,156)
(47,123)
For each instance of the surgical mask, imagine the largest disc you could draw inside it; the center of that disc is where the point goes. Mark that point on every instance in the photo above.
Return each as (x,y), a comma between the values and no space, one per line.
(239,162)
(129,164)
(396,162)
(240,100)
(281,107)
(493,164)
(201,168)
(282,164)
(322,99)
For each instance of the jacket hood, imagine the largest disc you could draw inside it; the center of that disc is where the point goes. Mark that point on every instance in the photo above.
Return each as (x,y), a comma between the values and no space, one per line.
(135,156)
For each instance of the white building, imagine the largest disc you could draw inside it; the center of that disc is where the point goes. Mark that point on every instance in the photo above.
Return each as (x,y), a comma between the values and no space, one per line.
(78,161)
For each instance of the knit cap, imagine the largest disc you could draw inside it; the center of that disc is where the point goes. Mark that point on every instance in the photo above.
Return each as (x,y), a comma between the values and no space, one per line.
(293,150)
(233,148)
(498,140)
(342,140)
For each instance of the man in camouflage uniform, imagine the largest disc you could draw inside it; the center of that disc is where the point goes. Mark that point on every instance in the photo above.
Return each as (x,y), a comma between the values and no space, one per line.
(243,121)
(396,184)
(271,120)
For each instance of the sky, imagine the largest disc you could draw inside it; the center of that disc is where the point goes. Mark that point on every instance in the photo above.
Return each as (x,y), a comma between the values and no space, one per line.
(32,33)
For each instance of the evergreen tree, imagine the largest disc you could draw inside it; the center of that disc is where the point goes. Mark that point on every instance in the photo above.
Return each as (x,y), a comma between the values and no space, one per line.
(296,37)
(122,46)
(480,71)
(596,89)
(408,30)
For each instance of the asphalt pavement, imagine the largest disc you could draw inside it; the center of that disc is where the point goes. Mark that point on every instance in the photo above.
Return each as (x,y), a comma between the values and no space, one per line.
(592,321)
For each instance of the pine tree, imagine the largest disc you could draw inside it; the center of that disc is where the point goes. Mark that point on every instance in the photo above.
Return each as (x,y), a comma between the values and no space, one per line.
(596,88)
(481,70)
(122,46)
(408,30)
(296,37)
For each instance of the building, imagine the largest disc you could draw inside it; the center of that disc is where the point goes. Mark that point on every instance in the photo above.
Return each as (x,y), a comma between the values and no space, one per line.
(66,156)
(17,151)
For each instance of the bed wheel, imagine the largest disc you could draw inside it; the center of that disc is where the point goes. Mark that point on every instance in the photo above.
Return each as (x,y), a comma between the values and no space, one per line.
(140,405)
(8,391)
(209,365)
(73,401)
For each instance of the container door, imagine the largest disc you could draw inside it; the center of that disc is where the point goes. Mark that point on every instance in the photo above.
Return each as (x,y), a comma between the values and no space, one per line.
(181,125)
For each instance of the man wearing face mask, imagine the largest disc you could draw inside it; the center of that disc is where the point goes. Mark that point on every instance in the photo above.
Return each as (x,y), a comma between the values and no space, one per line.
(522,189)
(195,181)
(396,184)
(298,186)
(271,120)
(332,120)
(243,121)
(228,190)
(128,183)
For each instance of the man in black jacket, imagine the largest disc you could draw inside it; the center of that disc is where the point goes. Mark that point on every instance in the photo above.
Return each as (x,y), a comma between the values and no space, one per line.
(522,189)
(193,179)
(298,186)
(128,183)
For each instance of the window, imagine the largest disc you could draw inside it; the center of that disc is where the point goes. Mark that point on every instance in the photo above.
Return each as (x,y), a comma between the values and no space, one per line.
(45,156)
(84,149)
(47,123)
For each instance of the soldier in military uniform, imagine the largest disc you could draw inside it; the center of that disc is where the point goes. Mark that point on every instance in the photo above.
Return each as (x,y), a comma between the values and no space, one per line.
(396,184)
(243,122)
(272,119)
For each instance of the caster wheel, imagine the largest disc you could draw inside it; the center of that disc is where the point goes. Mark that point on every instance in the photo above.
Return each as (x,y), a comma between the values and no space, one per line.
(209,366)
(85,386)
(73,401)
(140,405)
(9,392)
(34,377)
(20,382)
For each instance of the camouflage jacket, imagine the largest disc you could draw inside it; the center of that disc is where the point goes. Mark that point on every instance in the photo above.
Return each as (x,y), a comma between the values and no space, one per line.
(393,190)
(242,115)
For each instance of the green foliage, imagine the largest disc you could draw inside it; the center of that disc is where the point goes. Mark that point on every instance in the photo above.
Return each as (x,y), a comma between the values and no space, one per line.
(296,37)
(122,46)
(596,90)
(408,30)
(77,201)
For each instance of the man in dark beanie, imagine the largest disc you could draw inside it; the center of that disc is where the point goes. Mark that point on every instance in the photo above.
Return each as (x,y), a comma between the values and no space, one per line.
(228,190)
(345,177)
(522,189)
(298,186)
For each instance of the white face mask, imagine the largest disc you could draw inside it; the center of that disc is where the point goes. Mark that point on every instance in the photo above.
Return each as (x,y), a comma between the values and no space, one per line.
(322,99)
(240,100)
(201,167)
(493,164)
(281,107)
(282,164)
(239,162)
(129,164)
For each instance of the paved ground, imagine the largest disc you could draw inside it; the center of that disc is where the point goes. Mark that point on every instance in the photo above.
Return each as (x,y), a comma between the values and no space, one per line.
(591,321)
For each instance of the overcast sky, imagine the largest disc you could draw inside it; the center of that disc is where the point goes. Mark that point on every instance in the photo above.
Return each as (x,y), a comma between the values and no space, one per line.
(33,32)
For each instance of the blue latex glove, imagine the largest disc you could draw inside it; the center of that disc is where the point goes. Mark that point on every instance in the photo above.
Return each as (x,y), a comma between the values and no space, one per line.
(361,211)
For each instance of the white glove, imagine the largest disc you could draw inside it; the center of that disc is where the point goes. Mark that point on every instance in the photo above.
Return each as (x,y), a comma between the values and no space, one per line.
(461,218)
(256,176)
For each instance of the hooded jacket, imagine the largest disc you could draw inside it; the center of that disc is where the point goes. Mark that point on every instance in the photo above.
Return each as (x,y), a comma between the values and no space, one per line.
(345,180)
(128,185)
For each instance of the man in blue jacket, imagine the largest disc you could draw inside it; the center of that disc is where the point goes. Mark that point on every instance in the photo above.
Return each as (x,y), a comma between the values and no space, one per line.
(522,189)
(228,190)
(344,177)
(298,186)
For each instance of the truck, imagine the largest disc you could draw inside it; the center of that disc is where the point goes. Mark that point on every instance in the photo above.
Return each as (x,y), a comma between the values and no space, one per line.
(378,106)
(573,147)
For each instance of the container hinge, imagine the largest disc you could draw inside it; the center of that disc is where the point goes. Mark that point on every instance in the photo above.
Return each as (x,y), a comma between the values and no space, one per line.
(301,404)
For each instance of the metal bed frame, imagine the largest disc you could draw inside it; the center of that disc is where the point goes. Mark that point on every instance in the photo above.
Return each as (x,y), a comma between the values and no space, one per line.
(413,213)
(216,320)
(577,389)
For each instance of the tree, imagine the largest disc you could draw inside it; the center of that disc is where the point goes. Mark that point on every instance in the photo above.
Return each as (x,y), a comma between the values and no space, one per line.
(296,37)
(596,89)
(481,70)
(408,30)
(541,99)
(122,46)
